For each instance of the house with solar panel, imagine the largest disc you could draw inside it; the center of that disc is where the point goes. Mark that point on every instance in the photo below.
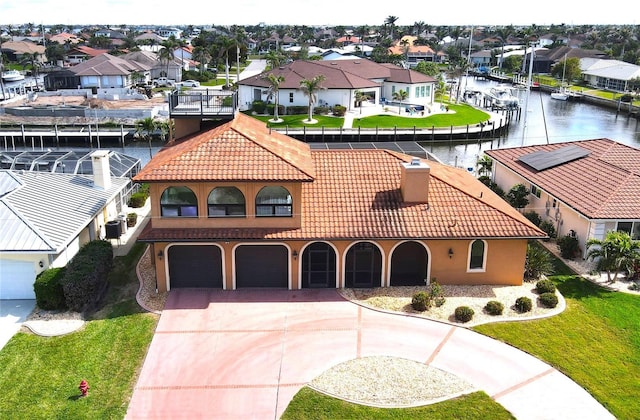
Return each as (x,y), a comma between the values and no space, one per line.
(237,205)
(585,188)
(53,203)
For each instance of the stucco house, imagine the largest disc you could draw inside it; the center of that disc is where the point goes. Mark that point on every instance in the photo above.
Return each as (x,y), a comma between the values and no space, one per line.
(109,72)
(48,216)
(585,188)
(608,74)
(239,205)
(343,78)
(413,54)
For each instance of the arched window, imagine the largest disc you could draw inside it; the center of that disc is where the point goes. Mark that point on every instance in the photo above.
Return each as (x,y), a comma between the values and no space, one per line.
(274,201)
(178,202)
(477,255)
(226,202)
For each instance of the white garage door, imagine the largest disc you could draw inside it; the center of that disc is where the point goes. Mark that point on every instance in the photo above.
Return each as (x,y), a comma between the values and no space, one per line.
(16,279)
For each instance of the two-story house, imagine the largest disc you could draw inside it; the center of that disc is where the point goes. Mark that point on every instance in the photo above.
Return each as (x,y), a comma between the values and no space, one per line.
(239,205)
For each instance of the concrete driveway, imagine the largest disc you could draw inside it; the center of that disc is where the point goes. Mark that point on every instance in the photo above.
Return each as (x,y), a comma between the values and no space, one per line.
(12,314)
(244,354)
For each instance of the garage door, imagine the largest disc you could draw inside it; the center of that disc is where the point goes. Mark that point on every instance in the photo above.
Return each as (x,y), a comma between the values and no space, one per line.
(262,266)
(16,279)
(195,266)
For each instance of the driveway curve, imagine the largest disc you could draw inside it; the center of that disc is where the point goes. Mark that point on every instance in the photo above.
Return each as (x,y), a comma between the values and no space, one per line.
(246,353)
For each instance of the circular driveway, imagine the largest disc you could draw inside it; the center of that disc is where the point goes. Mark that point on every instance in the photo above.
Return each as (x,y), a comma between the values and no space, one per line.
(246,353)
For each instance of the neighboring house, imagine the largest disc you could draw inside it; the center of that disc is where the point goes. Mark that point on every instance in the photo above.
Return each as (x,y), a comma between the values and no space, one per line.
(17,50)
(65,38)
(545,59)
(47,217)
(585,188)
(105,71)
(608,74)
(239,206)
(149,39)
(481,58)
(413,54)
(169,32)
(82,53)
(342,79)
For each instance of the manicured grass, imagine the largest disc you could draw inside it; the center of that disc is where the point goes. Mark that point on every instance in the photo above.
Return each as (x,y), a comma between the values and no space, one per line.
(464,115)
(40,375)
(595,341)
(309,404)
(296,121)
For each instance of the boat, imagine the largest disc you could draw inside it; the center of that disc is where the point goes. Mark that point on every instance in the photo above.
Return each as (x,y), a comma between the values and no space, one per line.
(12,76)
(502,97)
(561,94)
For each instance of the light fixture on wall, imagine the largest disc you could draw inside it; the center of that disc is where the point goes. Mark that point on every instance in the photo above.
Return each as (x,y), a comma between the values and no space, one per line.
(450,252)
(41,264)
(295,254)
(160,254)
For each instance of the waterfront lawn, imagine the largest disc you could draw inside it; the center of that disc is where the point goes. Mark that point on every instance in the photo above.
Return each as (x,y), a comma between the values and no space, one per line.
(308,404)
(296,121)
(40,375)
(462,115)
(595,341)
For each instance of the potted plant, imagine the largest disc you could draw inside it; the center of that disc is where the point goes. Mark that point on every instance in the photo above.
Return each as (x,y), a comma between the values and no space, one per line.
(132,218)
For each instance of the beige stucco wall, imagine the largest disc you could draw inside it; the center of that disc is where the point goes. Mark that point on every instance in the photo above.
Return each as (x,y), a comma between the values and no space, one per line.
(185,126)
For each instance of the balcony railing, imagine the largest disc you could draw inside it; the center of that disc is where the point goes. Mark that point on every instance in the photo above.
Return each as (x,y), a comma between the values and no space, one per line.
(203,103)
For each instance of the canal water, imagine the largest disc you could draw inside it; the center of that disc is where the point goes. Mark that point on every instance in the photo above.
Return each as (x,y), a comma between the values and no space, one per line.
(545,121)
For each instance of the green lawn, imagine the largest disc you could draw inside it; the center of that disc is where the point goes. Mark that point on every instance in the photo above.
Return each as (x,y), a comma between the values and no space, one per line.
(296,121)
(464,115)
(595,341)
(40,375)
(311,405)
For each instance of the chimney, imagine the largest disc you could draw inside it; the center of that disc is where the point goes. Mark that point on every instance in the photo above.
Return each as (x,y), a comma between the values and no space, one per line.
(414,182)
(101,170)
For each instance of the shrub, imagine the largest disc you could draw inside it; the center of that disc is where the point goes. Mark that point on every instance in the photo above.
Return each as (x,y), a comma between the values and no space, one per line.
(132,219)
(258,107)
(339,110)
(297,110)
(545,286)
(138,199)
(523,304)
(436,295)
(271,107)
(463,313)
(548,228)
(420,301)
(49,293)
(569,246)
(321,110)
(533,217)
(538,262)
(549,300)
(493,307)
(85,279)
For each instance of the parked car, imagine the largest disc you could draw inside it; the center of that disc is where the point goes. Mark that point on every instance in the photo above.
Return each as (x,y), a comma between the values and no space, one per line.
(190,83)
(163,81)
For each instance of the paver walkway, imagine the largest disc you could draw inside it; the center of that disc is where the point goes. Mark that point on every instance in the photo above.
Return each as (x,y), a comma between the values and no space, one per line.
(244,354)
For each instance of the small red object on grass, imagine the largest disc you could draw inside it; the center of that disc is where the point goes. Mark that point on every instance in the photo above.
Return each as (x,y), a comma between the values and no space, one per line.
(84,388)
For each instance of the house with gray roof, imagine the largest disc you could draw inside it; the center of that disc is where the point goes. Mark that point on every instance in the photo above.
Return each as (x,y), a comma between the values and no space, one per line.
(342,79)
(585,188)
(608,74)
(48,216)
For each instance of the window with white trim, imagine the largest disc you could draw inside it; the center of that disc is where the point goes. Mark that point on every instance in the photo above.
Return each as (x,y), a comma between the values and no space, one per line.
(632,228)
(477,255)
(535,191)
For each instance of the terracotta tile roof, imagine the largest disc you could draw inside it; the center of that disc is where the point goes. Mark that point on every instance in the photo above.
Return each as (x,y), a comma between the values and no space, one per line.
(242,149)
(603,185)
(353,194)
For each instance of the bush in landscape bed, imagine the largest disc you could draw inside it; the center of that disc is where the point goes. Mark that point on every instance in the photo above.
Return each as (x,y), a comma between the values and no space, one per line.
(339,110)
(463,313)
(523,304)
(436,295)
(258,107)
(420,301)
(545,286)
(49,293)
(548,228)
(569,246)
(85,280)
(533,217)
(549,300)
(493,307)
(138,199)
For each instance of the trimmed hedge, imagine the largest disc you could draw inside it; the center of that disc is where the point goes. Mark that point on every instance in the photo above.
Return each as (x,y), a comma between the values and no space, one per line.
(297,110)
(258,107)
(339,110)
(523,304)
(85,280)
(464,313)
(493,307)
(549,300)
(545,286)
(49,293)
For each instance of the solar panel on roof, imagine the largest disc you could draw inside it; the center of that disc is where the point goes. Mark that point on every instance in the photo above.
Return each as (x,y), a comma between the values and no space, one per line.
(542,160)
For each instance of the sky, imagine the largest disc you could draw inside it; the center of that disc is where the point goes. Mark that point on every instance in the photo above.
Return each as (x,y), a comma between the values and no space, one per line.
(313,12)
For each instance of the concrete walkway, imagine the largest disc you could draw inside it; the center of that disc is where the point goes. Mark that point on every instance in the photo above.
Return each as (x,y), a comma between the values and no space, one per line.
(244,354)
(12,314)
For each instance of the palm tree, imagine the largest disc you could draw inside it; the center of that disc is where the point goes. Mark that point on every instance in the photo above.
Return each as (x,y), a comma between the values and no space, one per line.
(616,252)
(274,88)
(166,54)
(275,58)
(146,128)
(33,60)
(391,22)
(485,165)
(310,88)
(503,35)
(401,96)
(201,55)
(226,44)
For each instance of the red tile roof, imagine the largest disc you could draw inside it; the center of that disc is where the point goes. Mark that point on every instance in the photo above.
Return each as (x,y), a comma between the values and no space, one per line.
(243,149)
(352,193)
(603,185)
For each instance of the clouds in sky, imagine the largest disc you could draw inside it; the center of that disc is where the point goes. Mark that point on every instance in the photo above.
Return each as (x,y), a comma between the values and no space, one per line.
(310,12)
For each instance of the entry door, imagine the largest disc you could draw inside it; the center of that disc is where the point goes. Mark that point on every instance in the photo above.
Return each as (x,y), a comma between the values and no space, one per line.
(319,266)
(363,266)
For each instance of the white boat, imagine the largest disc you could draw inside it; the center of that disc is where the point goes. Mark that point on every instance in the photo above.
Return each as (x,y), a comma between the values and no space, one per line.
(12,76)
(502,97)
(560,95)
